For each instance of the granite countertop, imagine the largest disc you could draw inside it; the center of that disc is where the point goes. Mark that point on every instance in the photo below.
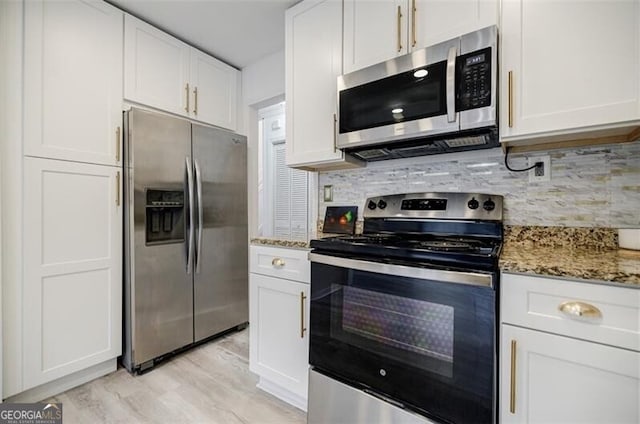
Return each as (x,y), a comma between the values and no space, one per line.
(609,266)
(274,242)
(589,254)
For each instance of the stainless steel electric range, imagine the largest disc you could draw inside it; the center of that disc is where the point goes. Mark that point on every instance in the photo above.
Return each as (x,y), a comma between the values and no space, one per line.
(404,317)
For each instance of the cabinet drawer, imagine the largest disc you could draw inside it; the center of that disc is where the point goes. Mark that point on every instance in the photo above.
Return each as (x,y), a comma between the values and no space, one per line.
(535,302)
(292,264)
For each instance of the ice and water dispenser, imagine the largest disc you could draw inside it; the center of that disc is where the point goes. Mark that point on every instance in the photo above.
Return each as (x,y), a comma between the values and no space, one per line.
(165,216)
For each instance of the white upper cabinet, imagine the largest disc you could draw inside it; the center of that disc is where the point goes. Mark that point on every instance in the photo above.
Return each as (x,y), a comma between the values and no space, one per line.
(313,61)
(214,87)
(568,66)
(73,81)
(156,67)
(375,31)
(163,72)
(435,21)
(72,292)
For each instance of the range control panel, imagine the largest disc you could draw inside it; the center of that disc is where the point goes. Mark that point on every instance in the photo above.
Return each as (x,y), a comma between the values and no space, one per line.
(467,206)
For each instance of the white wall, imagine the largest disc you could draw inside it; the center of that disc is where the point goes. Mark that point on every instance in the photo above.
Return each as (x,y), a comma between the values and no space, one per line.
(264,79)
(262,85)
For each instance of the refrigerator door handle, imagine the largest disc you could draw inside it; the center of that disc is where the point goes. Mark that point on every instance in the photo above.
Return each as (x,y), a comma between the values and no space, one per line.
(191,223)
(200,214)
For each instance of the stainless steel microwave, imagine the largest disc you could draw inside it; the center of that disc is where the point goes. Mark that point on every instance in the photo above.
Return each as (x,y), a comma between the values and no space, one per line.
(434,100)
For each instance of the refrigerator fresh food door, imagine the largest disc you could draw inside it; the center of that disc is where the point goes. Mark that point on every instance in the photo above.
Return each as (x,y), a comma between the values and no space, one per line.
(221,264)
(159,285)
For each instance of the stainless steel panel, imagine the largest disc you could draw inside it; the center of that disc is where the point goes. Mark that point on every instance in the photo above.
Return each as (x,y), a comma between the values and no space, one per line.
(457,208)
(454,277)
(485,116)
(403,130)
(331,401)
(158,291)
(221,280)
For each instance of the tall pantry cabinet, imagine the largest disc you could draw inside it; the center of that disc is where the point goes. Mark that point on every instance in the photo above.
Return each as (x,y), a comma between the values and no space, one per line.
(67,317)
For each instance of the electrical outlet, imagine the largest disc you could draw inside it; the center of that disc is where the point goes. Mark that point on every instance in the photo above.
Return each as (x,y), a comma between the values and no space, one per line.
(540,173)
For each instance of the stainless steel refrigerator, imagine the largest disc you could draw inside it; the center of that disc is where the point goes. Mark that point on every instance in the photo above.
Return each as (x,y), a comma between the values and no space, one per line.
(186,266)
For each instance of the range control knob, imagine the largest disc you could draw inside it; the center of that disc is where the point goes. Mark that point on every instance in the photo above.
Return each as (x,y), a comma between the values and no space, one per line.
(489,205)
(371,205)
(473,203)
(382,204)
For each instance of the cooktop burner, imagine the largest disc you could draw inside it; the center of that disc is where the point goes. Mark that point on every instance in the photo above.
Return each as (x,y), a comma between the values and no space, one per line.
(452,229)
(448,246)
(414,242)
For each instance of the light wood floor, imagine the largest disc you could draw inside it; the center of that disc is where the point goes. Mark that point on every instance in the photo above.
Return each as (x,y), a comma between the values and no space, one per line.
(209,384)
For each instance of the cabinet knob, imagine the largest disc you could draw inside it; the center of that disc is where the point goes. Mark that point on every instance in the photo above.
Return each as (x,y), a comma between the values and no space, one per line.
(277,262)
(580,310)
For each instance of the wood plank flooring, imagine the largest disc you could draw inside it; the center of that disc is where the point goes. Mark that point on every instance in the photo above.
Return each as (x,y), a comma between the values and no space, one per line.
(209,384)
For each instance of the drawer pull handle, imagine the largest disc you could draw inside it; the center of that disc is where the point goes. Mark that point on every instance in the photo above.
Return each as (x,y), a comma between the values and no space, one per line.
(302,327)
(580,310)
(277,262)
(512,391)
(510,86)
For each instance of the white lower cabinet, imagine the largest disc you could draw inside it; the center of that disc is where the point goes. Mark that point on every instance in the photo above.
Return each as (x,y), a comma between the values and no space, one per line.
(279,331)
(557,379)
(569,352)
(72,295)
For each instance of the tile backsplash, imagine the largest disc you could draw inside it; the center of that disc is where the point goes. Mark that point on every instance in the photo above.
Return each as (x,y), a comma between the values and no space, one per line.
(589,187)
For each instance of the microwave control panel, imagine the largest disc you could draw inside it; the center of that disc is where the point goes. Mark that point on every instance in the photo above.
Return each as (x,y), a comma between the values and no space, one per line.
(473,80)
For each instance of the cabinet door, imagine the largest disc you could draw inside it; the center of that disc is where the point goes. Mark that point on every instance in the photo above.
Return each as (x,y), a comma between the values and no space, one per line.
(435,21)
(313,56)
(564,380)
(214,89)
(574,64)
(156,68)
(72,300)
(279,337)
(73,81)
(374,31)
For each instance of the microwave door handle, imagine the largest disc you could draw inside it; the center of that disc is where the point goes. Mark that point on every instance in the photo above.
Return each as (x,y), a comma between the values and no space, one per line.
(451,84)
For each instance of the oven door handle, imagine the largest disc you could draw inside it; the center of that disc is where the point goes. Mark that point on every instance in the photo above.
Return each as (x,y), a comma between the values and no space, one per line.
(456,277)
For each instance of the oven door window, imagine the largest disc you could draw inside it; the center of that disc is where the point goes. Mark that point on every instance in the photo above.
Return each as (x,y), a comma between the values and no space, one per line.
(412,331)
(403,97)
(428,344)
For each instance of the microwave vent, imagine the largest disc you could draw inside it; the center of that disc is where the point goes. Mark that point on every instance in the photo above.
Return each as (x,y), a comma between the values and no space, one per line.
(372,154)
(417,150)
(467,141)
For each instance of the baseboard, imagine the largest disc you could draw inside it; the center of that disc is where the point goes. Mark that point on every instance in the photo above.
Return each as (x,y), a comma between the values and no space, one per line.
(55,387)
(283,394)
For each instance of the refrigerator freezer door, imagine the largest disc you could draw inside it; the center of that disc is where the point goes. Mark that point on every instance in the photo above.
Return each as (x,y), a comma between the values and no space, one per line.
(221,275)
(159,290)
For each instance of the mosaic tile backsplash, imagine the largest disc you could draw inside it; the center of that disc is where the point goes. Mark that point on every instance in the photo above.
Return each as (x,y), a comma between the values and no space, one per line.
(590,187)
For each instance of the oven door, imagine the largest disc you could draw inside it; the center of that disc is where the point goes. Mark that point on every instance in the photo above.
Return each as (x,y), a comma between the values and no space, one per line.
(423,337)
